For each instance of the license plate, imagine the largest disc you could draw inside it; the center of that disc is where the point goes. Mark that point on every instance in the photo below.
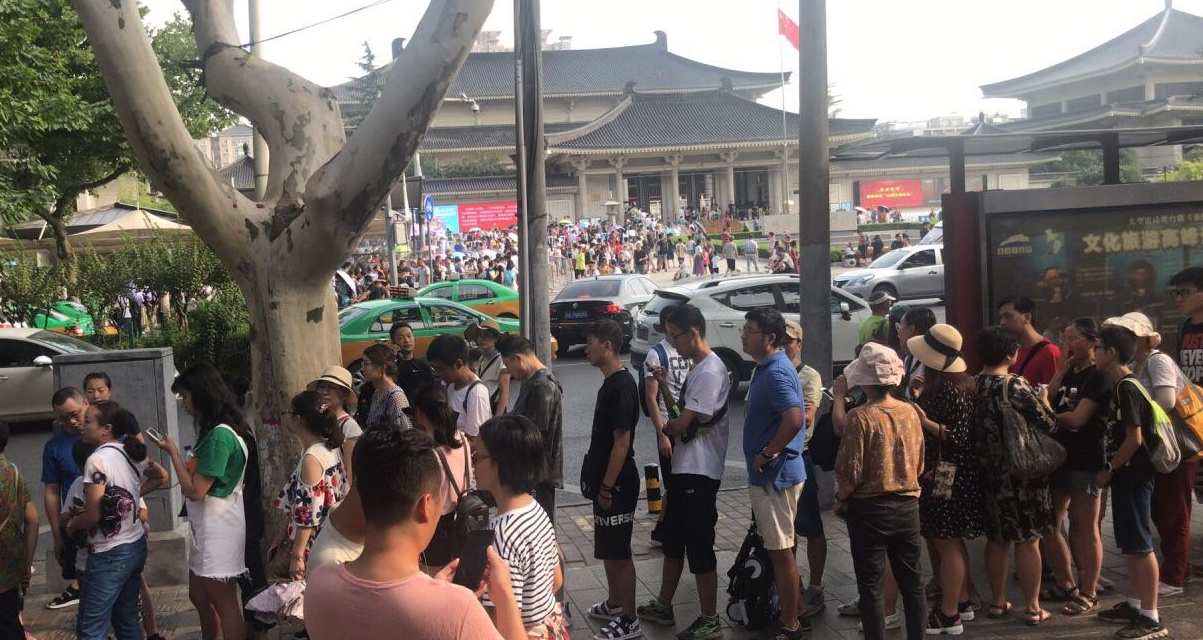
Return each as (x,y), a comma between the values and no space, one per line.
(576,315)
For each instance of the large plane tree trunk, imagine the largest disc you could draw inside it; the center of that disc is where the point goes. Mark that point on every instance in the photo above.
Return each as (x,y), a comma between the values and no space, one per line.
(322,190)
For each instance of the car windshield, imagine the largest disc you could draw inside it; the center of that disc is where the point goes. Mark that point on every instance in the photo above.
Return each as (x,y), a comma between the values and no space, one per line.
(590,289)
(63,343)
(661,303)
(889,260)
(935,236)
(348,315)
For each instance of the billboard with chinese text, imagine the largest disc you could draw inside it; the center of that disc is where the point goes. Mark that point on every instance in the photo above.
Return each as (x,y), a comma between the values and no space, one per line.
(895,194)
(1094,262)
(486,215)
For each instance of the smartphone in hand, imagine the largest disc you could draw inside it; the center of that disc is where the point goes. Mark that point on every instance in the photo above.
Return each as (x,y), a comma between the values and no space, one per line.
(153,434)
(473,560)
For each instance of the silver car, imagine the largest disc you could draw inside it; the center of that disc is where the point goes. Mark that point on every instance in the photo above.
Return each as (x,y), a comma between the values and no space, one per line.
(908,273)
(725,300)
(26,377)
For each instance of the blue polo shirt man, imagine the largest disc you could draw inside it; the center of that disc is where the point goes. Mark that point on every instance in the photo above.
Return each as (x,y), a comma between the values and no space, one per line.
(774,434)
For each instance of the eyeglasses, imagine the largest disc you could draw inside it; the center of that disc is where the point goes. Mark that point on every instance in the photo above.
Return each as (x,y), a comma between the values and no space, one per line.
(677,336)
(1181,292)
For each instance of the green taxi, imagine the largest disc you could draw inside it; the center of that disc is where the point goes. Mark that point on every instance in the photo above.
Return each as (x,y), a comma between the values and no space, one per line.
(486,296)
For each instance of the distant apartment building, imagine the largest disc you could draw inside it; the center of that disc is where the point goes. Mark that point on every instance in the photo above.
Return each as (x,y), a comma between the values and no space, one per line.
(490,42)
(226,146)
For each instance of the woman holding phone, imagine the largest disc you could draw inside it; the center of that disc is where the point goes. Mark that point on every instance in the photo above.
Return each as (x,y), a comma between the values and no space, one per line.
(212,484)
(433,415)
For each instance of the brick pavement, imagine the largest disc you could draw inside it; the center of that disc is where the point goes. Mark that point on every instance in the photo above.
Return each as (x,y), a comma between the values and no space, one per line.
(585,580)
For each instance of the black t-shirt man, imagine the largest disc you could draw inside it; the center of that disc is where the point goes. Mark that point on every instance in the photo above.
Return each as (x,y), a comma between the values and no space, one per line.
(617,409)
(1190,351)
(1084,447)
(1129,409)
(412,374)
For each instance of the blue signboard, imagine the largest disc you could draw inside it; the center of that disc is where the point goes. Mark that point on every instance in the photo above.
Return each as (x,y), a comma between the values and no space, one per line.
(428,207)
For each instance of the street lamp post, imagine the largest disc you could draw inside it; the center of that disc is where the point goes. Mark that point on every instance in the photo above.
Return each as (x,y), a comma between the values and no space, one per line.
(814,211)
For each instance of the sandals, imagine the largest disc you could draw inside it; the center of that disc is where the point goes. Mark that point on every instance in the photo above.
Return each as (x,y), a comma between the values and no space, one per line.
(1081,604)
(1034,618)
(1057,593)
(994,612)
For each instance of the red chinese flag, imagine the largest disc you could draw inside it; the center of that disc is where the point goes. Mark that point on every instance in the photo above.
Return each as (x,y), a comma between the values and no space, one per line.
(788,28)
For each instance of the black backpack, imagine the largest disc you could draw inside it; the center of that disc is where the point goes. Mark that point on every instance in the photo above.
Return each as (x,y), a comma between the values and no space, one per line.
(753,602)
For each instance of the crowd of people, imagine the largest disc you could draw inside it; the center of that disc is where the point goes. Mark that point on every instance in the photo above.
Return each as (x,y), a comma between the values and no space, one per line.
(424,500)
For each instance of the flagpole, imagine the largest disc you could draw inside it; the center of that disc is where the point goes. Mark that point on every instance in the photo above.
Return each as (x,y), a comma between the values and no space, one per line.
(784,146)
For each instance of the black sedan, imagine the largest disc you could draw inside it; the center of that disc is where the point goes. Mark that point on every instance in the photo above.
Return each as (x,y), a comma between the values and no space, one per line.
(582,302)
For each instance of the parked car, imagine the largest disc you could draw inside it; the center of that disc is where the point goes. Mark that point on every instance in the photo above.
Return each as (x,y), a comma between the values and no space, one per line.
(486,296)
(366,323)
(582,302)
(71,318)
(909,273)
(725,300)
(26,377)
(934,236)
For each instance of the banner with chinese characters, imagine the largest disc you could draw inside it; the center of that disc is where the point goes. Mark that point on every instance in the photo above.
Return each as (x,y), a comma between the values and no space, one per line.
(895,194)
(1095,263)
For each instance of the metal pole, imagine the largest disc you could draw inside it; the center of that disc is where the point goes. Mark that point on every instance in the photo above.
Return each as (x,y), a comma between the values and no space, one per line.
(391,233)
(814,208)
(259,146)
(532,179)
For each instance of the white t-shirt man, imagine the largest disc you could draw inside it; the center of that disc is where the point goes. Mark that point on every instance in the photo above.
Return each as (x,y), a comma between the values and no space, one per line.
(473,408)
(706,390)
(121,477)
(676,369)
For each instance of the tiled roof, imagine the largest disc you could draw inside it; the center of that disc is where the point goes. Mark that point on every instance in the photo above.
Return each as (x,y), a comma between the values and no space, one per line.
(1093,117)
(652,67)
(697,119)
(87,219)
(916,163)
(493,136)
(436,186)
(1178,42)
(239,173)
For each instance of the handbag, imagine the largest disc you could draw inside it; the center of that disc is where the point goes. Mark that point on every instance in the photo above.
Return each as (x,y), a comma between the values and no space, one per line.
(1028,453)
(945,473)
(471,512)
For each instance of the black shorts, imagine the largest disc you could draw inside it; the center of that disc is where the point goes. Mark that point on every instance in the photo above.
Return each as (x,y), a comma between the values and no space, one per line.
(545,495)
(613,527)
(809,522)
(688,529)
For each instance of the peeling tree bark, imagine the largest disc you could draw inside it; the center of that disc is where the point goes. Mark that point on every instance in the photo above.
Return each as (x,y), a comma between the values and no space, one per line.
(322,190)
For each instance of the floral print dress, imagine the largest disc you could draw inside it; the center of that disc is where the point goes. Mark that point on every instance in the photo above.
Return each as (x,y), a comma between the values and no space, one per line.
(959,516)
(1016,510)
(309,505)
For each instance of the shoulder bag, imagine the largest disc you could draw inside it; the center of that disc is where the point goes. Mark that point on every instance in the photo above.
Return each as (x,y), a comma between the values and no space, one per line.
(1028,453)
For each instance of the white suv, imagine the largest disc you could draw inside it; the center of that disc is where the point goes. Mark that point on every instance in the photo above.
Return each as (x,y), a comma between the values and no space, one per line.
(725,300)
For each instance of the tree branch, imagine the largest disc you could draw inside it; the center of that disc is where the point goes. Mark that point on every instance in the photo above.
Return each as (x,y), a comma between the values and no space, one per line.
(155,130)
(352,186)
(299,120)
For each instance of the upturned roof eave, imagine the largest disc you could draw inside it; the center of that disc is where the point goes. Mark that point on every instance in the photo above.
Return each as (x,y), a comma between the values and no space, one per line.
(1016,88)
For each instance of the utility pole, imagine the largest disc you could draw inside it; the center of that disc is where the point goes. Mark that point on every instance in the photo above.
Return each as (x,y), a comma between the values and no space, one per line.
(259,148)
(532,179)
(814,210)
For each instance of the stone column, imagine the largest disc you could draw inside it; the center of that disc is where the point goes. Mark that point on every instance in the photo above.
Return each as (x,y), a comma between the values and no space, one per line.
(782,156)
(582,186)
(775,204)
(729,157)
(674,180)
(620,185)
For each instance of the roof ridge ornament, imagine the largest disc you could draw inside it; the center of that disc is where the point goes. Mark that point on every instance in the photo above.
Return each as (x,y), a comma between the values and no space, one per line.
(1165,20)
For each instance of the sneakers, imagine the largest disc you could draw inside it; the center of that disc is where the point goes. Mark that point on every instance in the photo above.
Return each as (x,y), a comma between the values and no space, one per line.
(813,602)
(1142,628)
(787,634)
(938,624)
(619,629)
(850,610)
(702,629)
(893,621)
(1164,590)
(657,612)
(68,598)
(604,611)
(1122,613)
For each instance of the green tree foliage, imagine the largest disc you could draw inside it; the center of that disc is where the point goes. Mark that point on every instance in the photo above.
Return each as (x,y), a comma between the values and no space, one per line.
(1086,168)
(1185,170)
(466,168)
(58,128)
(366,88)
(26,288)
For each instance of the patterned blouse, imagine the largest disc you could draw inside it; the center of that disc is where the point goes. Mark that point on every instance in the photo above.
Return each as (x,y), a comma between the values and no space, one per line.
(881,452)
(309,505)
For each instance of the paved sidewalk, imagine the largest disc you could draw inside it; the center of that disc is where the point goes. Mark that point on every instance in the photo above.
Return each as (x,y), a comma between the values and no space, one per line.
(585,579)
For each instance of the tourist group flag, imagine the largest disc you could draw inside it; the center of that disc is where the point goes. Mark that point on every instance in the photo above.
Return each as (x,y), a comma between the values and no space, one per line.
(788,28)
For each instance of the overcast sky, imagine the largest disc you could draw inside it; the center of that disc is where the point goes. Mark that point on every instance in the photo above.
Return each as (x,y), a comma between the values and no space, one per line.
(888,59)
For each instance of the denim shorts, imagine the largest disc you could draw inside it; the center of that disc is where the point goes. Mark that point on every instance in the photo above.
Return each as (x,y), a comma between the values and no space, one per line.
(1132,515)
(809,522)
(1075,483)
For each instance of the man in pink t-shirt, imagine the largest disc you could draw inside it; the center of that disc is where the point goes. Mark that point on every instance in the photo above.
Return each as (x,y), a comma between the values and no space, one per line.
(384,594)
(1037,357)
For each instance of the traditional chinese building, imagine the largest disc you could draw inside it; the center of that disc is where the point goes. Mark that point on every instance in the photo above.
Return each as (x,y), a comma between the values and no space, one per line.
(1150,75)
(644,126)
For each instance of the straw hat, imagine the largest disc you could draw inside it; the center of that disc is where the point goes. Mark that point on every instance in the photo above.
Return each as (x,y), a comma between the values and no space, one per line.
(338,377)
(939,349)
(474,330)
(1137,323)
(877,365)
